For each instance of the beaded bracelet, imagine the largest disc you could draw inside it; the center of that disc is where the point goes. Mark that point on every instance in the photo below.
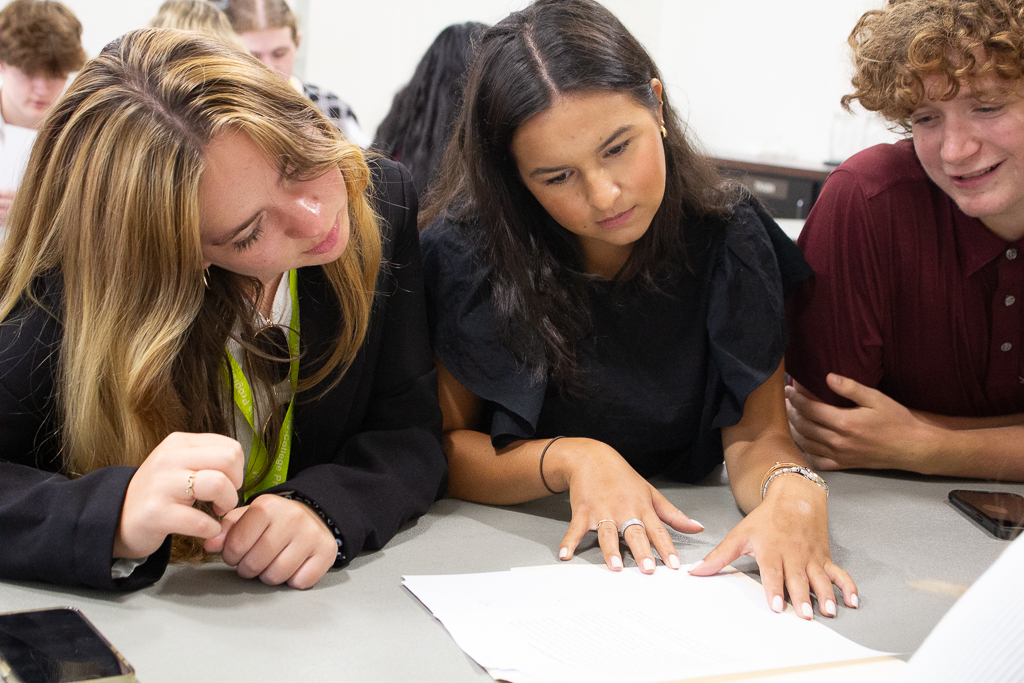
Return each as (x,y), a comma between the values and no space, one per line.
(781,468)
(339,559)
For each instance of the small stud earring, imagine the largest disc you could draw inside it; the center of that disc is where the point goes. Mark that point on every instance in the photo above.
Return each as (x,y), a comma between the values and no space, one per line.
(664,133)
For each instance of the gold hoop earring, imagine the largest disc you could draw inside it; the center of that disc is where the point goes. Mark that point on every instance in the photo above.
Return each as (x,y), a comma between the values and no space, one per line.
(664,133)
(206,282)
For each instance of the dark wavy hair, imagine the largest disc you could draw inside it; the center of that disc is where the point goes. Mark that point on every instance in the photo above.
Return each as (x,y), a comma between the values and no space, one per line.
(897,47)
(539,284)
(419,124)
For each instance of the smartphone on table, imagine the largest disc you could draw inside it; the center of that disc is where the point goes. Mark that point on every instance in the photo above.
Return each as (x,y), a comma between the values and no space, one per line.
(57,646)
(1000,513)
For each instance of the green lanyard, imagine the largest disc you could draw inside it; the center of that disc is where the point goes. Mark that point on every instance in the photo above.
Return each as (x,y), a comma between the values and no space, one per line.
(245,400)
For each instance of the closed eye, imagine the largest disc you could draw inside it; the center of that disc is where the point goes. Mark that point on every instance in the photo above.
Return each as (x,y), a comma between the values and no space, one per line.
(558,179)
(618,149)
(250,239)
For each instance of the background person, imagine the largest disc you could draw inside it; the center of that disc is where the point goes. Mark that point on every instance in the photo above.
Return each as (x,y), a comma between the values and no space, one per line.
(271,33)
(196,15)
(190,227)
(417,128)
(906,347)
(40,45)
(604,309)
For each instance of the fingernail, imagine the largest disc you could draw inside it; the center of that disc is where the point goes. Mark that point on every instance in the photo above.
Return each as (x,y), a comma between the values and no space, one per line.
(777,604)
(701,564)
(563,553)
(697,523)
(830,608)
(855,601)
(806,609)
(835,380)
(673,561)
(648,564)
(616,562)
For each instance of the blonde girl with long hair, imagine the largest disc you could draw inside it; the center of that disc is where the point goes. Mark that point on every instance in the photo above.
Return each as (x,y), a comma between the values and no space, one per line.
(213,335)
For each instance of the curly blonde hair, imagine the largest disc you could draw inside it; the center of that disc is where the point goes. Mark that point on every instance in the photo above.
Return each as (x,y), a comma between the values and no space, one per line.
(960,41)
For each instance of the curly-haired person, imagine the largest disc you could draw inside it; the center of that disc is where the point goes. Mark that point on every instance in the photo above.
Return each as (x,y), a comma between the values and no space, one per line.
(40,45)
(906,346)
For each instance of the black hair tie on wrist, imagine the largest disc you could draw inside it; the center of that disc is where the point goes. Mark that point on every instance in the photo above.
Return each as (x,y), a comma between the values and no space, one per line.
(542,454)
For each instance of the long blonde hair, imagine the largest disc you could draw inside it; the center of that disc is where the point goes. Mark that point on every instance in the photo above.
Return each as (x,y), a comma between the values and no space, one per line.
(110,203)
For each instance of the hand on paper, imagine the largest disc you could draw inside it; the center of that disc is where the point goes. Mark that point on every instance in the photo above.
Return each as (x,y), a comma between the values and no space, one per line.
(787,532)
(788,536)
(603,486)
(276,539)
(158,501)
(878,433)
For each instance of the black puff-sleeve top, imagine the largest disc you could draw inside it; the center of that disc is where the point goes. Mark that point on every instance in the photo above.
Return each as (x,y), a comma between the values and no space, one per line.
(663,370)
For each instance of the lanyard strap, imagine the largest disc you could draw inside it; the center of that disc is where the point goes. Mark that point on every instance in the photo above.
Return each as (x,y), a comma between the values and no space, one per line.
(245,400)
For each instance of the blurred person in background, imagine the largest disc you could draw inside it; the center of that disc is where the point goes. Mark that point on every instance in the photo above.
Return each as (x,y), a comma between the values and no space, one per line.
(269,30)
(197,15)
(40,45)
(419,124)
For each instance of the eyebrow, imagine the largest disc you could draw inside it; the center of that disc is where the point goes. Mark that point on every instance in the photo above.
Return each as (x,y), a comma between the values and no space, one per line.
(610,140)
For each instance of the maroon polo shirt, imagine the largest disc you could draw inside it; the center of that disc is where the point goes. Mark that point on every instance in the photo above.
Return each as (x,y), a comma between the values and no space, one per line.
(910,295)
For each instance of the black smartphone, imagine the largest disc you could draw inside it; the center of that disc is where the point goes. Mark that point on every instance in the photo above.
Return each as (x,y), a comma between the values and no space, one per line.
(1000,513)
(57,646)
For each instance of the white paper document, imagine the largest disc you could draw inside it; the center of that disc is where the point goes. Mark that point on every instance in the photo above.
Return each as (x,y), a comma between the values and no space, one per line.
(585,623)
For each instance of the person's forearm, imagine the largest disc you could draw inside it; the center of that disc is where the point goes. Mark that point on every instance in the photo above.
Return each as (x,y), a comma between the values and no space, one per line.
(760,439)
(477,473)
(480,474)
(747,463)
(962,423)
(996,453)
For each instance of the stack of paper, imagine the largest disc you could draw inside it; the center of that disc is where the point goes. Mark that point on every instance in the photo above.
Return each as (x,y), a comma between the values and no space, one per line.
(584,623)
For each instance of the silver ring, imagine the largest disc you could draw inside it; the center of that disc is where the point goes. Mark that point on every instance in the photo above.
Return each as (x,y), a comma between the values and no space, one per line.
(632,521)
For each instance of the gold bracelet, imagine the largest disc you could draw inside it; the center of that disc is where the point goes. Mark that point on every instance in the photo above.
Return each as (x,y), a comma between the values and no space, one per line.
(792,468)
(772,470)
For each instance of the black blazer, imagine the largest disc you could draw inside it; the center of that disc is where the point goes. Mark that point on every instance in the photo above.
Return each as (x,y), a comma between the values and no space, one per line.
(368,452)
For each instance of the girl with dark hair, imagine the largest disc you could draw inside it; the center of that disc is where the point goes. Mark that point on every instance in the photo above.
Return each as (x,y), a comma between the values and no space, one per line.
(417,128)
(604,308)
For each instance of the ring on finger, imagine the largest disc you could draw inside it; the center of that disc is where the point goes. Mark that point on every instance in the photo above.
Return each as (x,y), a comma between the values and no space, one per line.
(191,482)
(597,527)
(632,521)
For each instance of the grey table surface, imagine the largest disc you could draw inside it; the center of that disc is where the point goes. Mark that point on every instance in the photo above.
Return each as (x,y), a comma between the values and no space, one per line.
(909,550)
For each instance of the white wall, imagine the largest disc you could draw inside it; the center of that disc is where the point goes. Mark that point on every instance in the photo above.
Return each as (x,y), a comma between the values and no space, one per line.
(755,78)
(764,79)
